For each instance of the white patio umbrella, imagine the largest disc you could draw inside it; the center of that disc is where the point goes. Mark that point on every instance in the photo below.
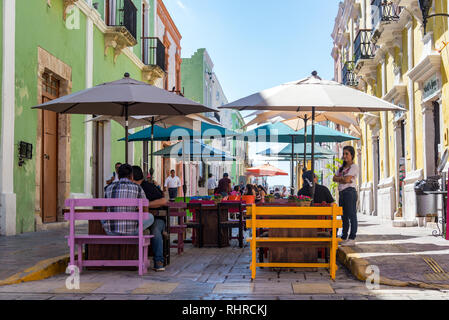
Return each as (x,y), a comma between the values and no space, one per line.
(186,121)
(312,94)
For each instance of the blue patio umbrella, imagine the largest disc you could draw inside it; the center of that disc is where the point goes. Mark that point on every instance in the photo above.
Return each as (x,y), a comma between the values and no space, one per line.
(208,131)
(280,132)
(195,150)
(287,151)
(176,133)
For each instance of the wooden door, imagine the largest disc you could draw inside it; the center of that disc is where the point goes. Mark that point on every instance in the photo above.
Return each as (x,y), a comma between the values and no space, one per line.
(49,156)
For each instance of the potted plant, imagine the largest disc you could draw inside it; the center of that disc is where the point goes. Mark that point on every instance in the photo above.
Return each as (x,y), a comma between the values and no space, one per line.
(304,201)
(269,198)
(218,198)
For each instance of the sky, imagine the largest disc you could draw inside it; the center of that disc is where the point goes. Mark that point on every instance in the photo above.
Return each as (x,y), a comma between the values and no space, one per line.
(258,44)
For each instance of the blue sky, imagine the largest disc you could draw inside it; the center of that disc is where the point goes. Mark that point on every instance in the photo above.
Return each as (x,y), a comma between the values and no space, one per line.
(258,44)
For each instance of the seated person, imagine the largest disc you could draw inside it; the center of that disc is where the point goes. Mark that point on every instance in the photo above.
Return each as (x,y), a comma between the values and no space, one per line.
(284,193)
(322,193)
(249,191)
(156,198)
(261,194)
(277,194)
(124,188)
(236,191)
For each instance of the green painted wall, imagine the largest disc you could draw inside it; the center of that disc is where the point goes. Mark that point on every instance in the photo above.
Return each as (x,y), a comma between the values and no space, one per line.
(192,76)
(66,45)
(69,46)
(101,7)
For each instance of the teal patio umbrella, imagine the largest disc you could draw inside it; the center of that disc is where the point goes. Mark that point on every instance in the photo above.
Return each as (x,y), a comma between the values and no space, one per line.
(280,132)
(323,134)
(196,151)
(176,133)
(287,151)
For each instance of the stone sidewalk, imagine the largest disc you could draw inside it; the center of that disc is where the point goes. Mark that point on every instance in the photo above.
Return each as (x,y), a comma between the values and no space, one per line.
(34,255)
(405,256)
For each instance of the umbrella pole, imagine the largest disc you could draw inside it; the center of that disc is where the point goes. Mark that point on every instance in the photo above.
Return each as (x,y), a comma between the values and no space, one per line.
(152,146)
(313,152)
(126,133)
(184,186)
(296,170)
(292,189)
(305,144)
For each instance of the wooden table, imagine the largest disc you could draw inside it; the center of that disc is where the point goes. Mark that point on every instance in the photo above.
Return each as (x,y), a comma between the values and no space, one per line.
(210,227)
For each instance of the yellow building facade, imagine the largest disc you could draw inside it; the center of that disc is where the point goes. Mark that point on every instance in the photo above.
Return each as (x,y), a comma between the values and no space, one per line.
(380,48)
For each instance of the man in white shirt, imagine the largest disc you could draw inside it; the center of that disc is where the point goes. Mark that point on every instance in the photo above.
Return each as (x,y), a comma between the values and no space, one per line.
(114,177)
(211,184)
(172,183)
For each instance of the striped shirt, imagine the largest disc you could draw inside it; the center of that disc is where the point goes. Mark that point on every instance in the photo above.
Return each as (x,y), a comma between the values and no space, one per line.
(123,189)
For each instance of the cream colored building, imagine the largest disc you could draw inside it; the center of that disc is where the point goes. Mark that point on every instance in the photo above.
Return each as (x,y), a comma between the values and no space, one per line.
(380,48)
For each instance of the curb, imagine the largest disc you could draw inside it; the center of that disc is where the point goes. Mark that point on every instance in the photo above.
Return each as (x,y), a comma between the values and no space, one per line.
(42,270)
(357,266)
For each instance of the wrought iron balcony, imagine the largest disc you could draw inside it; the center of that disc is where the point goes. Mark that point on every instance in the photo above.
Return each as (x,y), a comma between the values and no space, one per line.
(363,46)
(153,52)
(349,77)
(124,15)
(387,11)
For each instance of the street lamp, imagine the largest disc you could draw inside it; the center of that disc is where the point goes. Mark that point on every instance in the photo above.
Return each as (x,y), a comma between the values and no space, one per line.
(425,6)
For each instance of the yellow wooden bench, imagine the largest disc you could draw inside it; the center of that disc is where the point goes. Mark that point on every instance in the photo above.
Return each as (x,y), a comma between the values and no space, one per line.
(332,241)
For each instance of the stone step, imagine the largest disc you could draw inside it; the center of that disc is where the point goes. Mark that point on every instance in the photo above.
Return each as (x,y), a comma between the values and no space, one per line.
(401,223)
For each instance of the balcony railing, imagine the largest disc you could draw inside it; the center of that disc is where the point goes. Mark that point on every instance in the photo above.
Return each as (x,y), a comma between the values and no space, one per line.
(385,11)
(124,15)
(363,46)
(153,52)
(349,77)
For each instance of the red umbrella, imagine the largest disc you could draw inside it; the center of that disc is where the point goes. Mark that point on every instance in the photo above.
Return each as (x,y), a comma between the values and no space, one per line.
(266,170)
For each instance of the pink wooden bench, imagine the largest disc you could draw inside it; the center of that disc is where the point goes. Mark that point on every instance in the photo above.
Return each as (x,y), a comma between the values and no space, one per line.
(143,241)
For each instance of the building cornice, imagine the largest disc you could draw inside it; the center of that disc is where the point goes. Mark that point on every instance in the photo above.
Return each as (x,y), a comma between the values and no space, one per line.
(428,66)
(398,93)
(370,119)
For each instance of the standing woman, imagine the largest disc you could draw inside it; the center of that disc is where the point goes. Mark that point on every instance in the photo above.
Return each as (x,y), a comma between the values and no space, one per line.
(346,178)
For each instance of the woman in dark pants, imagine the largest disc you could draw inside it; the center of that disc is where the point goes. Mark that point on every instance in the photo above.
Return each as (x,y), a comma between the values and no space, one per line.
(346,178)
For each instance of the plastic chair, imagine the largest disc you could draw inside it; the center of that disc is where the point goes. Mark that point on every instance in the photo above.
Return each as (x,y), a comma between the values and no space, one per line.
(178,209)
(249,199)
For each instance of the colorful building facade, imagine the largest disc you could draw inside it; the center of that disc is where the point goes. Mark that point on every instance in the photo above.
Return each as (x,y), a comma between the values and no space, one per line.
(380,47)
(72,45)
